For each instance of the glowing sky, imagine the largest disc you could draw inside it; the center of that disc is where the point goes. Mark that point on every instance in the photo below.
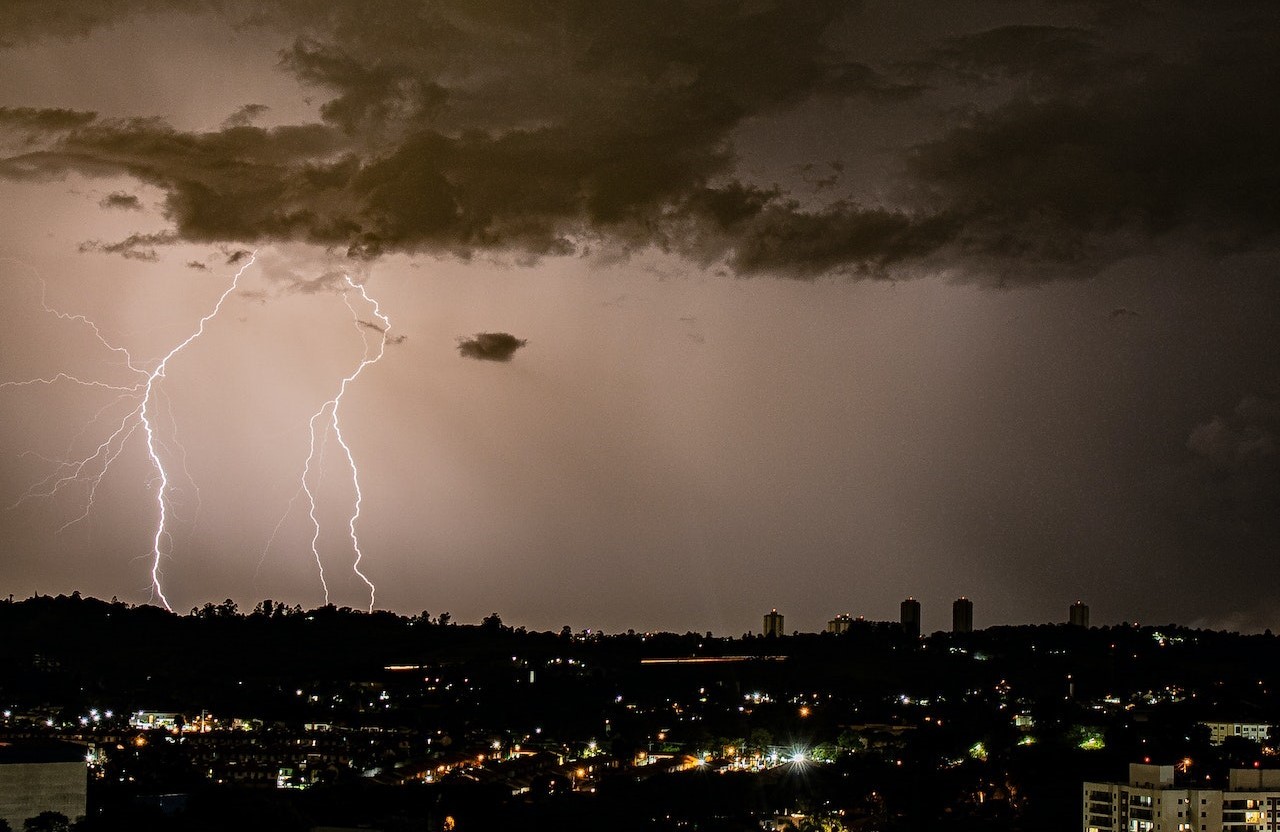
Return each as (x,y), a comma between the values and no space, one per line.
(822,304)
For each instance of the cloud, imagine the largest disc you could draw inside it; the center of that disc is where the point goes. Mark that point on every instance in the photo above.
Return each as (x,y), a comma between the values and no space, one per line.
(1110,156)
(382,330)
(490,346)
(43,120)
(303,277)
(25,23)
(858,79)
(244,116)
(483,129)
(1246,440)
(197,265)
(22,128)
(1054,55)
(134,247)
(1236,475)
(481,126)
(121,200)
(847,238)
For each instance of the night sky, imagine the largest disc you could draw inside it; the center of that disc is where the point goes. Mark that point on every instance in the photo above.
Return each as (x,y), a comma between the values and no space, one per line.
(697,308)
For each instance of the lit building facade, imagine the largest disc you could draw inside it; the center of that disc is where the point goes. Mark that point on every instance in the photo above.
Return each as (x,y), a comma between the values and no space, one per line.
(1151,802)
(839,624)
(773,623)
(1252,731)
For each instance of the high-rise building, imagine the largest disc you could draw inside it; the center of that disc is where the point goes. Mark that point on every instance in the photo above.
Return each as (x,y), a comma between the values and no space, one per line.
(773,623)
(840,624)
(1152,802)
(911,618)
(962,616)
(1079,614)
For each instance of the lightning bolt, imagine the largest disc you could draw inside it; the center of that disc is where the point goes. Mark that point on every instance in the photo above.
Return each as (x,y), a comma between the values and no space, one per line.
(337,430)
(149,406)
(66,470)
(327,420)
(92,468)
(149,387)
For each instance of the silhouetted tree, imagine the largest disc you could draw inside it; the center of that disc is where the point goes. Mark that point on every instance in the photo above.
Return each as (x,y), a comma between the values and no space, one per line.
(47,822)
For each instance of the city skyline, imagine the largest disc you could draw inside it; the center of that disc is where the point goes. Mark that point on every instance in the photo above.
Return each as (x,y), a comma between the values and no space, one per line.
(773,623)
(642,316)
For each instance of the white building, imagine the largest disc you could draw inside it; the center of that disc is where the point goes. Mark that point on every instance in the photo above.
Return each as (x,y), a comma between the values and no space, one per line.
(1254,731)
(154,719)
(1150,802)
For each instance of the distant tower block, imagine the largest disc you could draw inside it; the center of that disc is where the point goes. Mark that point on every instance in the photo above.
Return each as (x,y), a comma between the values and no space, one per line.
(839,624)
(1079,614)
(773,623)
(911,618)
(962,616)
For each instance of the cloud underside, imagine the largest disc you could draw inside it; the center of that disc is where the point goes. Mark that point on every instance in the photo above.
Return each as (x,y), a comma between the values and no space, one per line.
(490,346)
(1235,475)
(475,127)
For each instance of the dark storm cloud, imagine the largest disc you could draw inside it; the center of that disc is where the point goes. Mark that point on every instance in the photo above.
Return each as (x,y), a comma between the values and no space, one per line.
(303,280)
(1237,477)
(492,126)
(121,200)
(861,80)
(43,120)
(559,125)
(1107,154)
(382,330)
(244,116)
(1049,54)
(371,96)
(22,128)
(779,238)
(134,247)
(490,346)
(24,22)
(197,265)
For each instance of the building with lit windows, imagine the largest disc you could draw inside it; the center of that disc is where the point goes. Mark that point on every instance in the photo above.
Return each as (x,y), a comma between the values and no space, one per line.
(840,624)
(1152,802)
(1252,731)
